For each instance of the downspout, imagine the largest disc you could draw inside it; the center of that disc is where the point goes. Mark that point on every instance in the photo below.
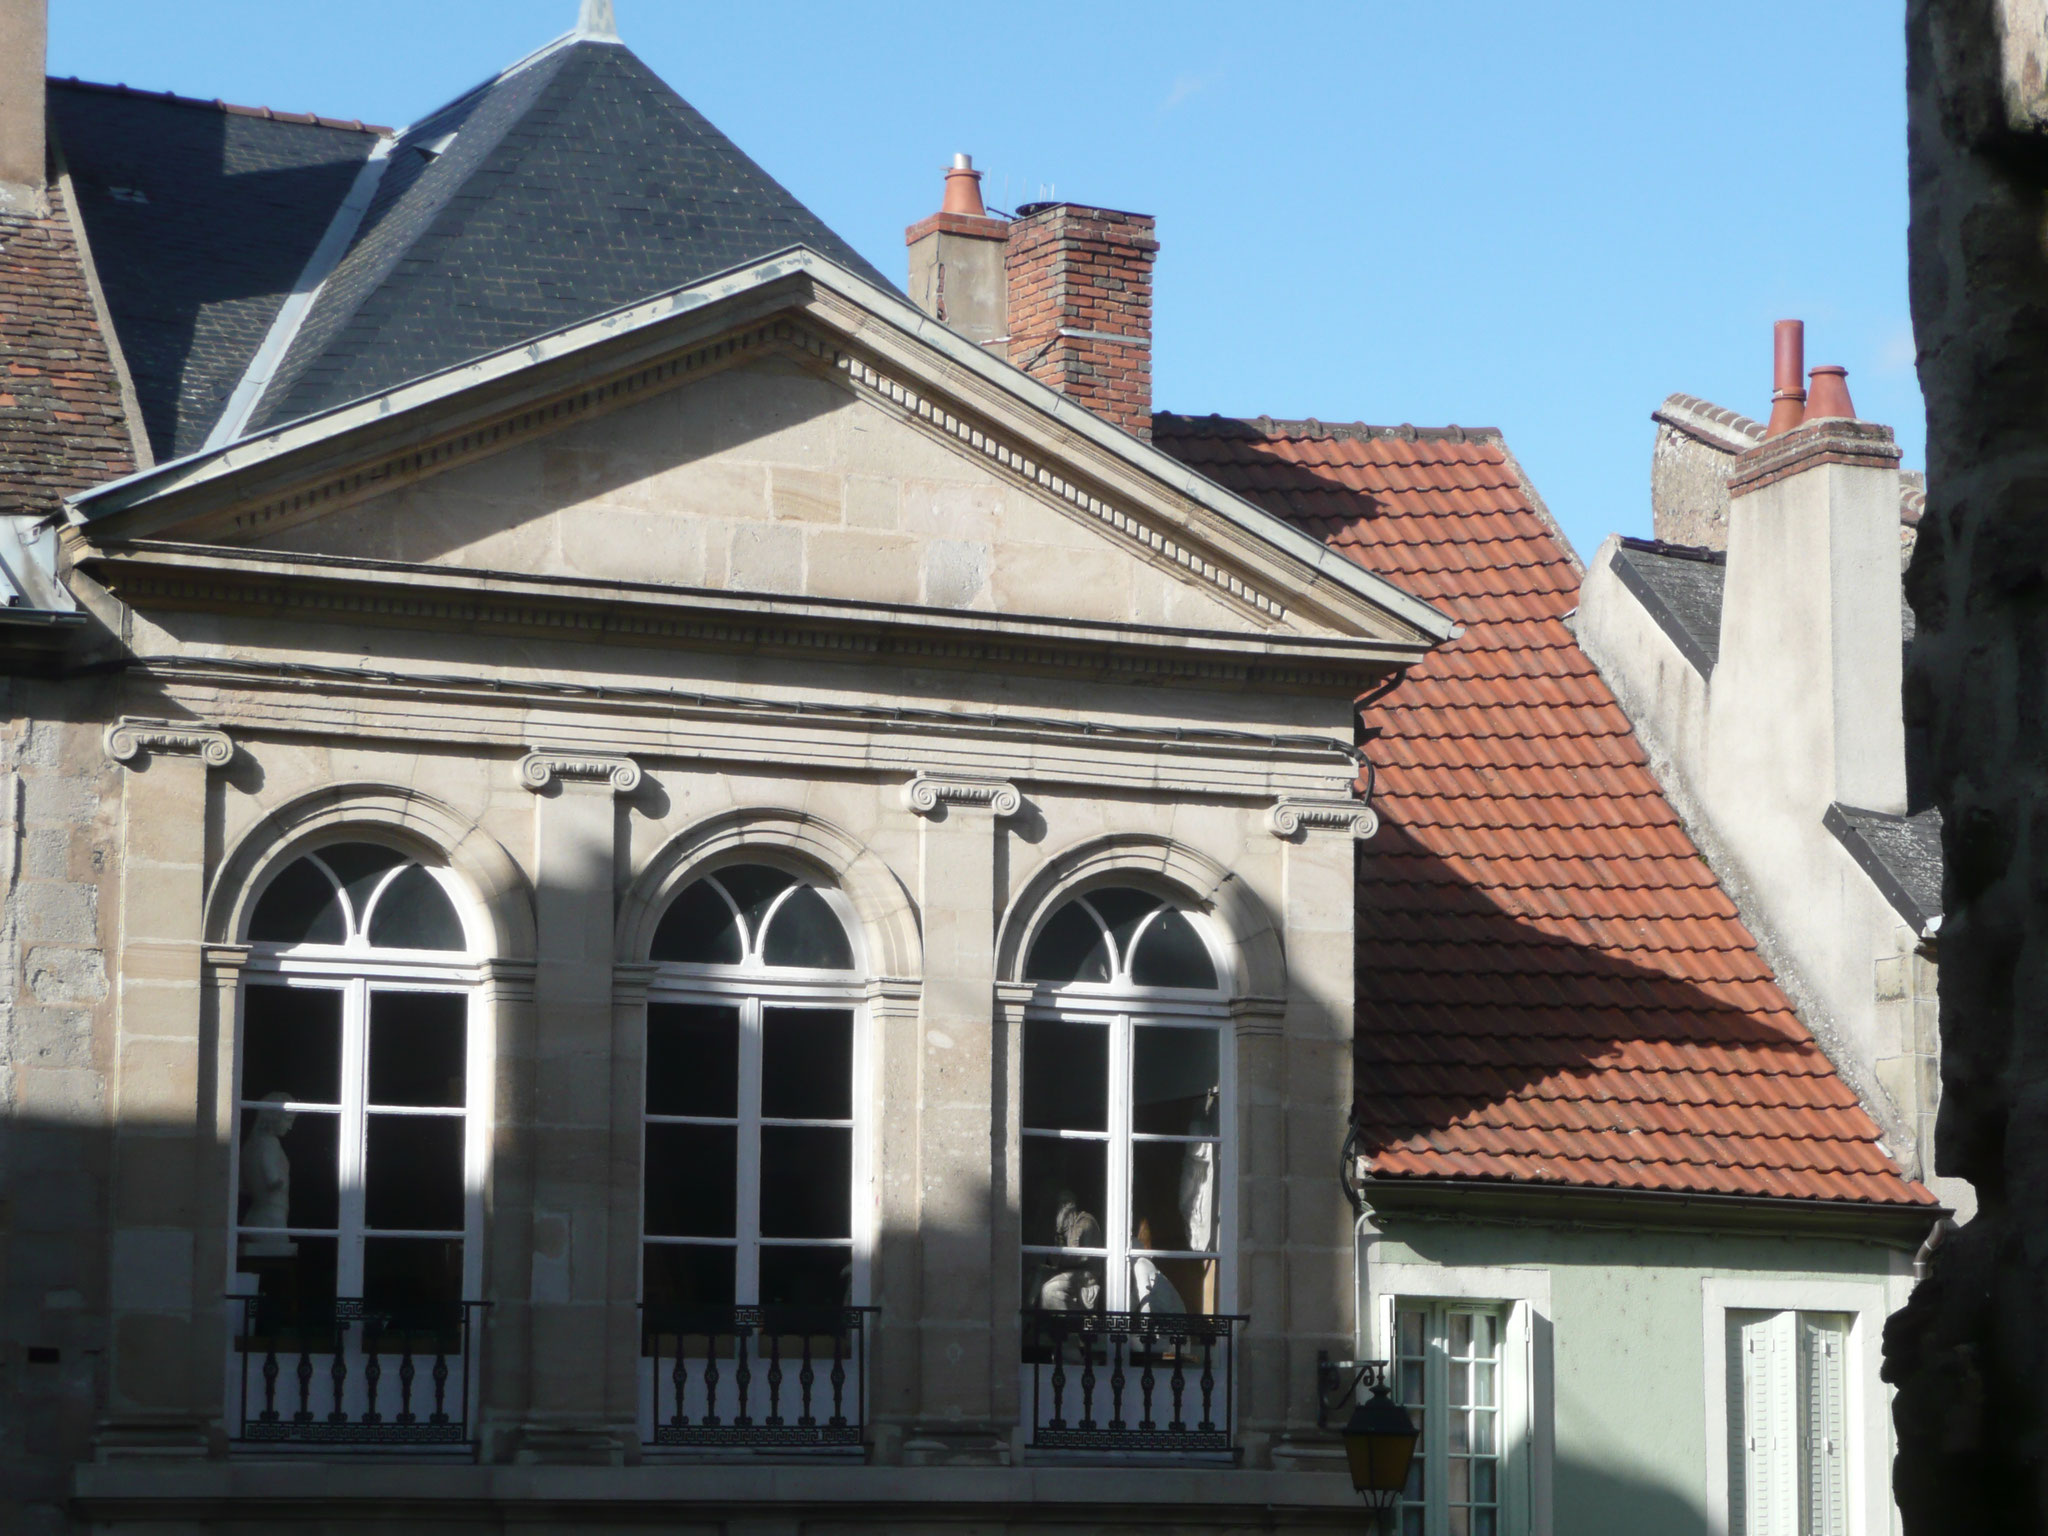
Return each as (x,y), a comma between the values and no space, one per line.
(1923,1260)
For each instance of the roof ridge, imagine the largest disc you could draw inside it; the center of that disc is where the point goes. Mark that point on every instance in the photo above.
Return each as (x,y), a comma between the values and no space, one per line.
(1312,427)
(1716,425)
(313,119)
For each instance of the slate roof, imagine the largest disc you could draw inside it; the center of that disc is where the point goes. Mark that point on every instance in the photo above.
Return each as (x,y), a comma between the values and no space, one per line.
(62,426)
(573,184)
(1680,588)
(1901,854)
(1552,987)
(201,218)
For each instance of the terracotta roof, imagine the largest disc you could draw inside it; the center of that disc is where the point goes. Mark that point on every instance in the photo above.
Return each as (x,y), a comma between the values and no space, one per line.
(1552,986)
(61,423)
(350,124)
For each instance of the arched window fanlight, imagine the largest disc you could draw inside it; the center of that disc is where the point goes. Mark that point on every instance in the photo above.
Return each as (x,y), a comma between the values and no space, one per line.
(358,895)
(1118,936)
(752,915)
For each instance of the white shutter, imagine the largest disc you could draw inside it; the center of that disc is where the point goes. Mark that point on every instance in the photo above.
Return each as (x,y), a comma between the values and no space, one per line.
(1763,1464)
(1823,1340)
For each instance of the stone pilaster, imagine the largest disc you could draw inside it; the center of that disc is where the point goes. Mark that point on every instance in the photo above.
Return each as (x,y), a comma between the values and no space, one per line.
(570,1413)
(958,1137)
(162,1388)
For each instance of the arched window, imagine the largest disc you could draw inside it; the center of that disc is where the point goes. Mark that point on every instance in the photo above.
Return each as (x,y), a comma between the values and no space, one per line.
(356,1166)
(752,1050)
(1125,1103)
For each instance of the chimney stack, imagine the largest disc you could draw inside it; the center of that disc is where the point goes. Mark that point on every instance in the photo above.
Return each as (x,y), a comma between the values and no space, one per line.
(1806,692)
(24,29)
(956,260)
(1081,306)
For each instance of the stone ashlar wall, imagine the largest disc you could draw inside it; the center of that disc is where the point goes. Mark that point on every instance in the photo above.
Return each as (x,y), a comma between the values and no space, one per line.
(1969,1354)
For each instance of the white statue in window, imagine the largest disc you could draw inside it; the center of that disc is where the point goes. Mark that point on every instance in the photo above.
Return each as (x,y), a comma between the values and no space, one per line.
(1198,1179)
(267,1180)
(1073,1290)
(1151,1291)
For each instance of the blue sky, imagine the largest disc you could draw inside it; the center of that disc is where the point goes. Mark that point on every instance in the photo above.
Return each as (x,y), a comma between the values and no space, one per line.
(1540,217)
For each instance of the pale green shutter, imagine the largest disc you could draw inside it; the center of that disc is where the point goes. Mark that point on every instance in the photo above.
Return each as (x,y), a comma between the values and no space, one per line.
(1823,1340)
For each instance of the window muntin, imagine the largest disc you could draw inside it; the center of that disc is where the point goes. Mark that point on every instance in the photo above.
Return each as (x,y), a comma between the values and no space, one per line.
(750,1148)
(1122,1111)
(356,1162)
(1447,1366)
(1788,1423)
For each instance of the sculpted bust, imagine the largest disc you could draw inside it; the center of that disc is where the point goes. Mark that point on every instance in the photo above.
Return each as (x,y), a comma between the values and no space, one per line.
(267,1179)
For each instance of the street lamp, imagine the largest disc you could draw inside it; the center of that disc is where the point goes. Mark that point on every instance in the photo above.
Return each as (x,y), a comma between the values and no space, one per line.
(1379,1437)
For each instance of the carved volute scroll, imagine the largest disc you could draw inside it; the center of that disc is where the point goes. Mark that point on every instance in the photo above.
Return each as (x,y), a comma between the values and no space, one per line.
(927,793)
(539,769)
(1295,814)
(131,736)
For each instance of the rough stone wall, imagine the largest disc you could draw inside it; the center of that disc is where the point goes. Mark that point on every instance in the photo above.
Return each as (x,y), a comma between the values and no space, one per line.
(57,811)
(1969,1354)
(1689,490)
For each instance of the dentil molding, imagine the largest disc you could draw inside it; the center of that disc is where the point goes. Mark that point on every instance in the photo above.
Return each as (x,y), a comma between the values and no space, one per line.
(1293,814)
(537,770)
(927,793)
(131,736)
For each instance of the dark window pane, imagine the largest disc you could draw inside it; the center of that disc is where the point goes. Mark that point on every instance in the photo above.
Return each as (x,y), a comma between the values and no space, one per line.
(806,932)
(806,1182)
(1065,1189)
(1122,909)
(419,1048)
(1066,1076)
(807,1063)
(692,1180)
(299,907)
(291,1043)
(697,929)
(753,888)
(685,1275)
(806,1277)
(294,1287)
(416,1280)
(693,1060)
(311,1146)
(1062,1284)
(1171,954)
(1173,1081)
(413,912)
(412,1178)
(1070,947)
(360,867)
(1173,1195)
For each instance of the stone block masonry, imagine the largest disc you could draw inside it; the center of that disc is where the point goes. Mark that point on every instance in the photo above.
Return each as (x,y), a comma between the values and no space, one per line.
(1080,306)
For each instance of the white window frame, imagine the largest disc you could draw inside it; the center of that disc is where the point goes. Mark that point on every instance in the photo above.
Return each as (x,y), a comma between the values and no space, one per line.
(750,986)
(357,970)
(1868,1414)
(1527,1420)
(1124,1011)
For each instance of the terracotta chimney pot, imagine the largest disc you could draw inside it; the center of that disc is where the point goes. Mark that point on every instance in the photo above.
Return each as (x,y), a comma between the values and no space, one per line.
(963,189)
(1830,394)
(1788,399)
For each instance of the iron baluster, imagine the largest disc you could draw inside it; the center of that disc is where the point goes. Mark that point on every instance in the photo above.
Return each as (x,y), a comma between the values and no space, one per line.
(805,1379)
(775,1380)
(1208,1385)
(1116,1381)
(838,1380)
(407,1371)
(711,1380)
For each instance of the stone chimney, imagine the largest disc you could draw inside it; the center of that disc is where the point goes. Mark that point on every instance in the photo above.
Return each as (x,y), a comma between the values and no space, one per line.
(1807,688)
(24,27)
(956,260)
(1080,298)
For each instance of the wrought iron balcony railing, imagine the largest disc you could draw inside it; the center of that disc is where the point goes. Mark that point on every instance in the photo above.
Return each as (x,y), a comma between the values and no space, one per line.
(1131,1381)
(770,1378)
(341,1373)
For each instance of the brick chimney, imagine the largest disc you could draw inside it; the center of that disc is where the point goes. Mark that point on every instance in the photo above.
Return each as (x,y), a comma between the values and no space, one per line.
(1080,306)
(24,28)
(956,260)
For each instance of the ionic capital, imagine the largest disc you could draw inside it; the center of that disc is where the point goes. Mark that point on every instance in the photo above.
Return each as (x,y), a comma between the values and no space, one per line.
(1292,814)
(131,736)
(537,770)
(926,793)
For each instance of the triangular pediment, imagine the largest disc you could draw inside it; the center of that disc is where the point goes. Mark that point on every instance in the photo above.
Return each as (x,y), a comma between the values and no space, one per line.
(790,432)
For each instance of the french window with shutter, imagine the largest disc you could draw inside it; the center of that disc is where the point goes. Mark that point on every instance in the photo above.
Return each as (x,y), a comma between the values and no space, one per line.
(1787,1424)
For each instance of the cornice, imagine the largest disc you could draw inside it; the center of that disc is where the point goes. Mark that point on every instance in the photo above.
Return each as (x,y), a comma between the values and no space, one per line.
(539,769)
(132,735)
(928,794)
(1295,815)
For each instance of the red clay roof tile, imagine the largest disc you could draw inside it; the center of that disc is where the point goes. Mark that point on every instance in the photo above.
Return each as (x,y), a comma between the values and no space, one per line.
(1552,986)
